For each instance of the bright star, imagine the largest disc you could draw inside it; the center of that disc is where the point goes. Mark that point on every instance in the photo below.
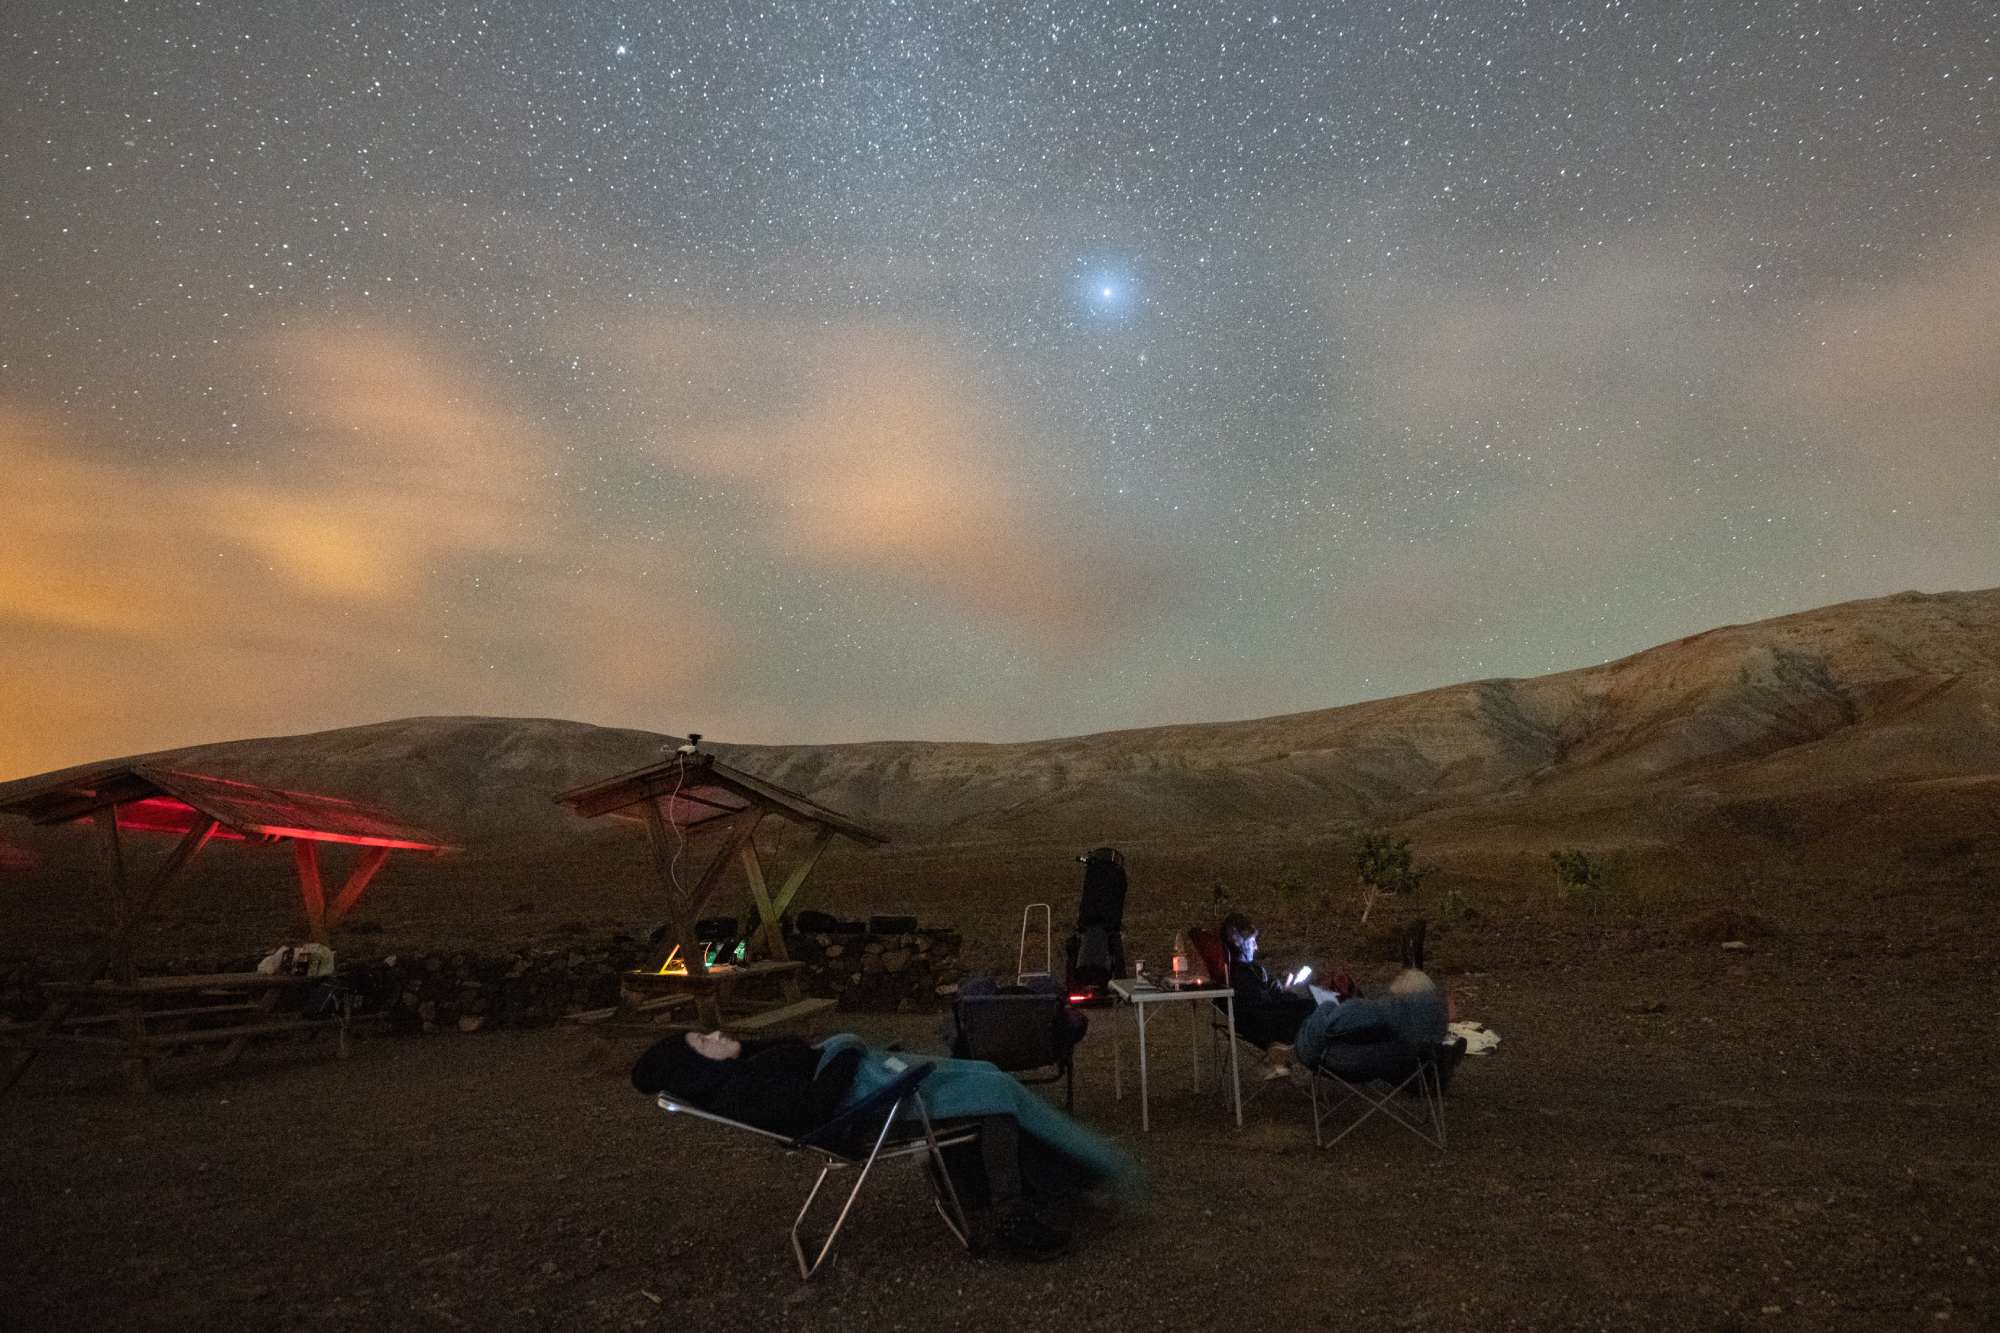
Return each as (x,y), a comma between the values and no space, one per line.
(620,50)
(1108,292)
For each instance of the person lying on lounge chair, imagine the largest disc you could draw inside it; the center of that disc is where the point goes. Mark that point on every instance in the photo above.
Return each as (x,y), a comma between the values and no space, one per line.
(1029,1154)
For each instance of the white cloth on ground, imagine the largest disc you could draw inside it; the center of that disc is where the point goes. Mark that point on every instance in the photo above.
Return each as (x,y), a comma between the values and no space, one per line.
(1479,1039)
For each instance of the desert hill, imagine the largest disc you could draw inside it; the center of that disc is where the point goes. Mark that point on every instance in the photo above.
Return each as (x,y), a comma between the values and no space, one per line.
(1859,734)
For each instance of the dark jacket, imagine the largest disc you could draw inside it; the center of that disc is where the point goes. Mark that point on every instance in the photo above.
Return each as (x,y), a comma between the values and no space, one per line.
(1265,1011)
(778,1084)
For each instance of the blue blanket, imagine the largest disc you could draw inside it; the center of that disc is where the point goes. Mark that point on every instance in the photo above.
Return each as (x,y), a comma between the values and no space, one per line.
(1371,1036)
(974,1088)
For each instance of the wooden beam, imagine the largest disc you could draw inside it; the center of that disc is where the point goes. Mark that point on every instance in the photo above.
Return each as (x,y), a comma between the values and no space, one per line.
(739,837)
(795,880)
(60,807)
(184,851)
(305,854)
(769,936)
(372,860)
(773,937)
(666,784)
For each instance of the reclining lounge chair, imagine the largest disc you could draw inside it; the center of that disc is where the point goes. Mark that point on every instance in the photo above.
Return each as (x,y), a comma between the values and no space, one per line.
(870,1131)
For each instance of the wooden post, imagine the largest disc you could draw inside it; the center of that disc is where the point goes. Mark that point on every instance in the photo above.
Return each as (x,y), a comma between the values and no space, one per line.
(106,817)
(680,920)
(305,854)
(108,954)
(372,861)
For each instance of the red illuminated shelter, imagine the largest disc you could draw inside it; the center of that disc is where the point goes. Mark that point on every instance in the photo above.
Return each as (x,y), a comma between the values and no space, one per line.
(198,807)
(690,794)
(15,858)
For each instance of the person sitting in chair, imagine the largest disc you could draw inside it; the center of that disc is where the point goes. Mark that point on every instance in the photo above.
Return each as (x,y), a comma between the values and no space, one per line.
(1371,1036)
(1267,1012)
(1362,1031)
(1028,1153)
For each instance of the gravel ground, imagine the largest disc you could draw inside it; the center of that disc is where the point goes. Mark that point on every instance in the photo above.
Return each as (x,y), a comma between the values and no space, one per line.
(1671,1135)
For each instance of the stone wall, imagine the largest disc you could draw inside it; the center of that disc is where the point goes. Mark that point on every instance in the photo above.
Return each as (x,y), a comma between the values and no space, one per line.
(906,973)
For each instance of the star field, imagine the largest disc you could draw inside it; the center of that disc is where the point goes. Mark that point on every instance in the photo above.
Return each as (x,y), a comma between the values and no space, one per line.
(871,370)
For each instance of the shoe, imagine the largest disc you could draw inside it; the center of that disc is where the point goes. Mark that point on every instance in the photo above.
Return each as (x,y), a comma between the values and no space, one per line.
(1025,1236)
(1450,1052)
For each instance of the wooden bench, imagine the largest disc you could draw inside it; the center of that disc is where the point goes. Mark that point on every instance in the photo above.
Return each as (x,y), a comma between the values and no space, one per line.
(646,1014)
(202,1036)
(155,1015)
(799,1011)
(138,1009)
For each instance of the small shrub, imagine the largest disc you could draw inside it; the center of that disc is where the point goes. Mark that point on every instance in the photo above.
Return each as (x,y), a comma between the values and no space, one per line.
(1384,864)
(1575,872)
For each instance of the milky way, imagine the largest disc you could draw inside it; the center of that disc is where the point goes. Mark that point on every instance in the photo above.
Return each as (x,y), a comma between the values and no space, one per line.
(964,371)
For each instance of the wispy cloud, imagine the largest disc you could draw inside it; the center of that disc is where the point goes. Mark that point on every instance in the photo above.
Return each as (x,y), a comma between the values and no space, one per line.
(413,539)
(866,449)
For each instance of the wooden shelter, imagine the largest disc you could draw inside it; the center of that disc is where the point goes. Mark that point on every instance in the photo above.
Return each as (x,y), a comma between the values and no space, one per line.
(697,794)
(123,1015)
(199,808)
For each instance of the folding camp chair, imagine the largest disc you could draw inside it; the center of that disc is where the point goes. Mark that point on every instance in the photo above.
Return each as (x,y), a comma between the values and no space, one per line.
(1371,1069)
(1208,946)
(1018,1033)
(845,1143)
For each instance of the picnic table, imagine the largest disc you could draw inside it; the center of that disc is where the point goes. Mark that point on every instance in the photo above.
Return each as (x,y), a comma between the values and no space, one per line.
(148,1019)
(717,1003)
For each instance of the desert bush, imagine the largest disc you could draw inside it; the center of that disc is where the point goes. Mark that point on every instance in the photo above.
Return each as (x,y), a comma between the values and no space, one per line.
(1455,907)
(1576,872)
(1384,864)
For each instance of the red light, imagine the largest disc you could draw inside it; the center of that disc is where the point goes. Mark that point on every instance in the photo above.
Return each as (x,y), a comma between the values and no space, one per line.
(1078,999)
(164,814)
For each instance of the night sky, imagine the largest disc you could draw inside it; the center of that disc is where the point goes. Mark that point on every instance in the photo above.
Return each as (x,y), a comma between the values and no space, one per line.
(964,371)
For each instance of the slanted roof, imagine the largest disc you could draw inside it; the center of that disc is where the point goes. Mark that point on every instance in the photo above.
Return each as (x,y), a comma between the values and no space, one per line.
(695,790)
(166,800)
